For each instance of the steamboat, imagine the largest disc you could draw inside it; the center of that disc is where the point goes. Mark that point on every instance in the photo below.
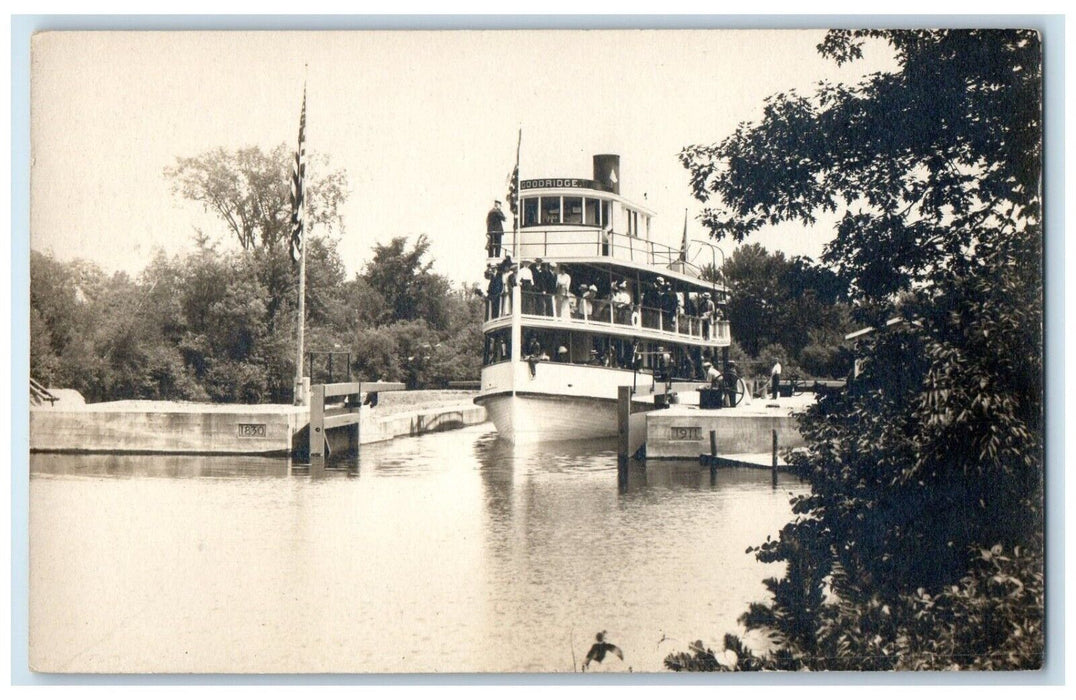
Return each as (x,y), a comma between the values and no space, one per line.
(581,301)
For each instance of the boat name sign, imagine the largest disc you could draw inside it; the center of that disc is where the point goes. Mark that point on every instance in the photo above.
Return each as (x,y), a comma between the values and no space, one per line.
(574,183)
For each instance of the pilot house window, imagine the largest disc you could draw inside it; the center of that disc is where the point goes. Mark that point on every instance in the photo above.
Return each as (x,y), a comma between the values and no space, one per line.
(530,211)
(591,212)
(573,210)
(550,210)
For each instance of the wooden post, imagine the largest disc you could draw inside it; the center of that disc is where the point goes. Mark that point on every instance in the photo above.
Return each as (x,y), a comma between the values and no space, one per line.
(773,472)
(713,455)
(623,431)
(317,422)
(623,421)
(353,430)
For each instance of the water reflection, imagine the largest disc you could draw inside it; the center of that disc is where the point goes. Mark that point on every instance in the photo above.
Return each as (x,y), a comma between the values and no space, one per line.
(159,466)
(453,551)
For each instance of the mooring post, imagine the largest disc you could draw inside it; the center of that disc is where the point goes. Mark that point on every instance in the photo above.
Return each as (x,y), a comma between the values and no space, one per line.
(623,421)
(773,472)
(623,432)
(354,402)
(713,455)
(316,438)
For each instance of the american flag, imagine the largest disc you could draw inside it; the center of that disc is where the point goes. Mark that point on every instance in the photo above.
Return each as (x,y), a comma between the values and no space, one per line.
(513,177)
(683,244)
(513,180)
(298,188)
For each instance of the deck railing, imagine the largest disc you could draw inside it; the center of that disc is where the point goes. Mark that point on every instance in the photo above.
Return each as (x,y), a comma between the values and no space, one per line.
(610,313)
(567,241)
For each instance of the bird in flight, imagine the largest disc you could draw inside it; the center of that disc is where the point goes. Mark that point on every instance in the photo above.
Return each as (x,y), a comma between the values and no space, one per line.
(600,648)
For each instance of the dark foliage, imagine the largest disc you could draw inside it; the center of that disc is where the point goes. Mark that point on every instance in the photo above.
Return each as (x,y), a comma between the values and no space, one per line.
(788,310)
(920,543)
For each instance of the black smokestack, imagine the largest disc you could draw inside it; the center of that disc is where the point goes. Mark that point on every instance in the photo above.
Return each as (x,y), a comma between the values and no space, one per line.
(607,171)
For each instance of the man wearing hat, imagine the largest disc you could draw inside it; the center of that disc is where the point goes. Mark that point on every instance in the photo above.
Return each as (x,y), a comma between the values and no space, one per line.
(652,302)
(545,281)
(730,378)
(706,311)
(494,230)
(495,289)
(668,306)
(712,375)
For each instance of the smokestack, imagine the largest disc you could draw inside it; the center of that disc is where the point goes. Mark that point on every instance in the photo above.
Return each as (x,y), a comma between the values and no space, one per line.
(607,171)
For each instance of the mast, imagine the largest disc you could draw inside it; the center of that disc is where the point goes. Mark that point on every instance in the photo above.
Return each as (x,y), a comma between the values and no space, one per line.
(516,292)
(515,203)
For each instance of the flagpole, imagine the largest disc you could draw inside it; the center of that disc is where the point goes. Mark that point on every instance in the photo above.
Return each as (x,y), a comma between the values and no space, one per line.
(683,246)
(515,205)
(298,245)
(300,385)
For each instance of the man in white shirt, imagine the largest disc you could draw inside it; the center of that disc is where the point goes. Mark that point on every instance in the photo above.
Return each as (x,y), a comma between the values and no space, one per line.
(713,376)
(775,378)
(526,288)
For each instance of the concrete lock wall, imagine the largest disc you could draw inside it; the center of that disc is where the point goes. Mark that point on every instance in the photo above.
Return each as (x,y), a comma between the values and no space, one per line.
(153,427)
(378,428)
(686,434)
(239,432)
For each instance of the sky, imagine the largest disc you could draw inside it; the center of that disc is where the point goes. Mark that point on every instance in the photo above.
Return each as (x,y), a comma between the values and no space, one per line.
(424,123)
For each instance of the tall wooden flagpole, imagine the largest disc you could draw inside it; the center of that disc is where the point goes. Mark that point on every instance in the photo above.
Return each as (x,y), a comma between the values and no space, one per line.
(298,249)
(515,203)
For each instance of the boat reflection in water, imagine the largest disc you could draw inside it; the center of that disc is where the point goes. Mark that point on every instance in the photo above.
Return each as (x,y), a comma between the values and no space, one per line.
(453,551)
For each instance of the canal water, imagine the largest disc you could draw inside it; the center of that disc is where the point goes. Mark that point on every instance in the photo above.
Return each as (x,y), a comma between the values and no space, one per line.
(449,552)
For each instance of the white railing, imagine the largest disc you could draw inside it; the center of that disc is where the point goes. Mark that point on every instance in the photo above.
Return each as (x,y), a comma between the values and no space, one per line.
(610,314)
(568,241)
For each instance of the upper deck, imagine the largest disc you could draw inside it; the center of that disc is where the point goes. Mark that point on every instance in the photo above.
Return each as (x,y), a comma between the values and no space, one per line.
(594,246)
(587,221)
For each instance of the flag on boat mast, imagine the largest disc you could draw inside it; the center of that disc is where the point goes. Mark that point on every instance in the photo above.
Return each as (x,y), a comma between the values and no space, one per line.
(683,244)
(513,200)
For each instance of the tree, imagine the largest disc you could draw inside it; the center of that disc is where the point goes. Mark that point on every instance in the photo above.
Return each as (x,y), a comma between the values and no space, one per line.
(220,326)
(407,285)
(923,164)
(249,190)
(935,455)
(793,304)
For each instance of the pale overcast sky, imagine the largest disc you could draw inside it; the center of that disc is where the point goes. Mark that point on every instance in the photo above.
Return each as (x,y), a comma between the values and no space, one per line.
(425,124)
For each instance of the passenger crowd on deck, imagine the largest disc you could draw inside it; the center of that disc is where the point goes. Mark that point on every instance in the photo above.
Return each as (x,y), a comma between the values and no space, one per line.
(615,352)
(547,290)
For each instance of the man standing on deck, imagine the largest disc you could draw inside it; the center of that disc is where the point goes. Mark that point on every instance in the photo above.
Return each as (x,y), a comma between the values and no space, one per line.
(494,230)
(545,280)
(713,376)
(526,288)
(730,378)
(706,311)
(668,307)
(775,378)
(494,291)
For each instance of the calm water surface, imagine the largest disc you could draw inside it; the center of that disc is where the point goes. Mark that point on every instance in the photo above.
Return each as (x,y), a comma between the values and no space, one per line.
(449,552)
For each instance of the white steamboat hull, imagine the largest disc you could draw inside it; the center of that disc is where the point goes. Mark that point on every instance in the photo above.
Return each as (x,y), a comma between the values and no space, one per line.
(558,401)
(539,418)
